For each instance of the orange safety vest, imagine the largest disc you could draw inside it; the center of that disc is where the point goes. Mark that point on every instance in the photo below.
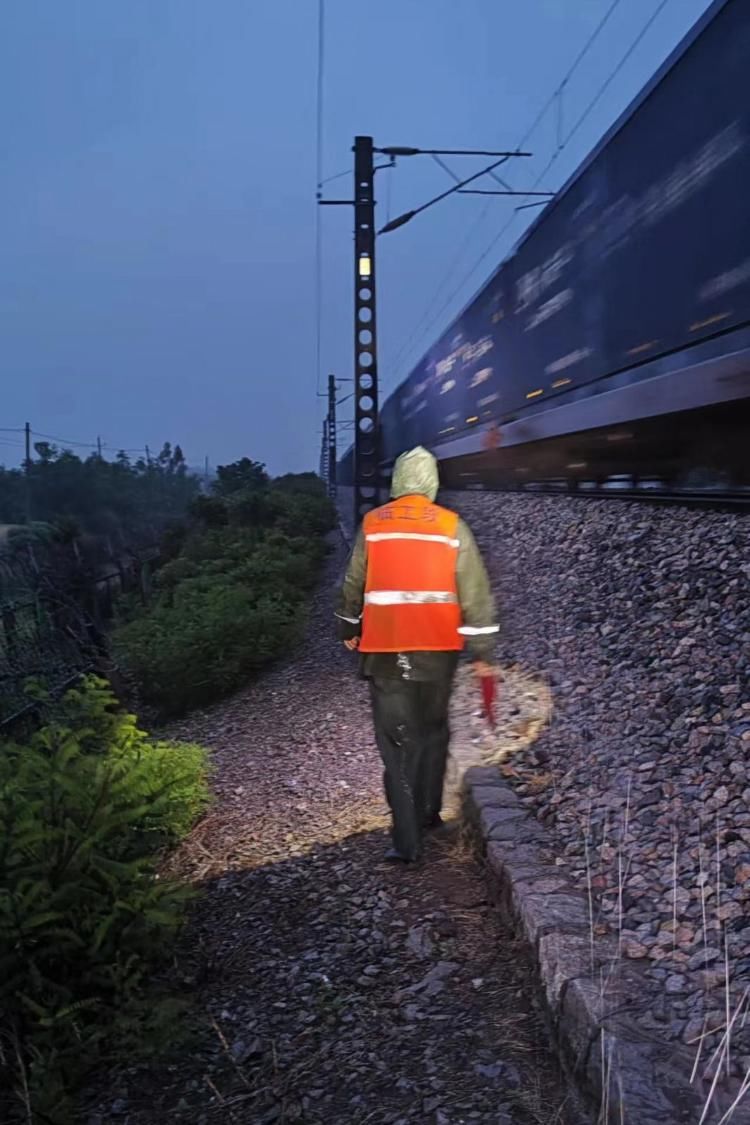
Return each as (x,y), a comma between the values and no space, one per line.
(411,597)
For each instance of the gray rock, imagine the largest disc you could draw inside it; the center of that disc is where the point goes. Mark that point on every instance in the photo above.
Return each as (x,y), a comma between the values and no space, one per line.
(642,624)
(419,942)
(704,957)
(505,1072)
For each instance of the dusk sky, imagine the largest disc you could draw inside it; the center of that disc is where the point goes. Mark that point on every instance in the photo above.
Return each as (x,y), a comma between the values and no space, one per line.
(157,213)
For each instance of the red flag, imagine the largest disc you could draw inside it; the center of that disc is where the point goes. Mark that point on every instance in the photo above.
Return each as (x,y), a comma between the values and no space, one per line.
(488,699)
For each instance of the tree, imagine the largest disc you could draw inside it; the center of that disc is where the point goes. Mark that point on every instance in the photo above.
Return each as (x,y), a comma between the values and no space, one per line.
(45,452)
(240,475)
(129,501)
(309,483)
(211,511)
(164,459)
(12,496)
(178,461)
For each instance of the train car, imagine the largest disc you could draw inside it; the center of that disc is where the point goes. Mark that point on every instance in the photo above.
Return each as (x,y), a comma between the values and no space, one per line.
(615,339)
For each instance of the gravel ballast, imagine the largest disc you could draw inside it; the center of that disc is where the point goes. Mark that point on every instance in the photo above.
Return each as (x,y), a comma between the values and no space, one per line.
(637,618)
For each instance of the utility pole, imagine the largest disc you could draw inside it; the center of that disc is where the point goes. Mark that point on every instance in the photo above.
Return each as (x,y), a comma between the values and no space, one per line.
(331,436)
(27,471)
(366,443)
(366,429)
(324,453)
(205,474)
(99,447)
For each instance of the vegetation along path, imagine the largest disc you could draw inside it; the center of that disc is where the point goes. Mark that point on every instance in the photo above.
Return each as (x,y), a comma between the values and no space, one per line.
(330,986)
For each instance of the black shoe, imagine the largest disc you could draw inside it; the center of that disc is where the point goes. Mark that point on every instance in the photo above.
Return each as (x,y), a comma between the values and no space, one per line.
(393,855)
(442,829)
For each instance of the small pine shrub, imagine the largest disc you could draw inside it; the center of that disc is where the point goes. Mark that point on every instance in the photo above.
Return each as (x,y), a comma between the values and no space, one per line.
(87,804)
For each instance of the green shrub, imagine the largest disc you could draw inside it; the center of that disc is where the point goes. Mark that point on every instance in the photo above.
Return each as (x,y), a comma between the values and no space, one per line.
(172,541)
(85,806)
(234,544)
(309,484)
(207,643)
(298,514)
(209,510)
(234,597)
(170,575)
(251,507)
(285,567)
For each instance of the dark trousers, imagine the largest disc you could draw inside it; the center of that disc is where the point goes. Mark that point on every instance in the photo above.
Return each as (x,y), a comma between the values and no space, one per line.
(412,733)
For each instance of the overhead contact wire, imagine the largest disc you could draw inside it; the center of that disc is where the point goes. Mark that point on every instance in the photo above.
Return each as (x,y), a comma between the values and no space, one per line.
(417,332)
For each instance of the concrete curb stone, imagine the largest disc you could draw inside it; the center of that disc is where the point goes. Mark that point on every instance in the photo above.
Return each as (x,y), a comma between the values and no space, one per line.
(496,797)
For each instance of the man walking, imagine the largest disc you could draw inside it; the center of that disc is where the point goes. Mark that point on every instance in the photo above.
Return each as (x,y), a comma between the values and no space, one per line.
(415,592)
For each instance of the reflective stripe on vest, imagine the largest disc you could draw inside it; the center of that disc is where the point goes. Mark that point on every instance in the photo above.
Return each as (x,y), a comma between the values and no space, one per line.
(423,537)
(411,599)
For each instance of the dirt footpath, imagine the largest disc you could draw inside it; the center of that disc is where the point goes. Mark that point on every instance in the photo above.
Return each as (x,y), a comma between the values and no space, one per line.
(331,987)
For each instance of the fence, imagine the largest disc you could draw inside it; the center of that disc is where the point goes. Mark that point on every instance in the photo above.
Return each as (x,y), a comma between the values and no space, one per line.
(55,604)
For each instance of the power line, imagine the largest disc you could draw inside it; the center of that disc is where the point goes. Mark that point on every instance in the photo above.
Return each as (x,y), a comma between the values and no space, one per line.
(338,176)
(65,441)
(318,217)
(556,94)
(578,60)
(562,144)
(406,346)
(610,79)
(69,443)
(321,62)
(389,191)
(592,103)
(479,219)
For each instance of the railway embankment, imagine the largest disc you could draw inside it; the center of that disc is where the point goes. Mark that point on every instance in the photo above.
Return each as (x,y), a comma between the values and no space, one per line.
(638,620)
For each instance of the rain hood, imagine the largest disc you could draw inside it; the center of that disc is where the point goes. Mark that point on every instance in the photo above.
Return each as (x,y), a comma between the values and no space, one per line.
(415,474)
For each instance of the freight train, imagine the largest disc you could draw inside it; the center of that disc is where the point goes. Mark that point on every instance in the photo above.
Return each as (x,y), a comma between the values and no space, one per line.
(614,342)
